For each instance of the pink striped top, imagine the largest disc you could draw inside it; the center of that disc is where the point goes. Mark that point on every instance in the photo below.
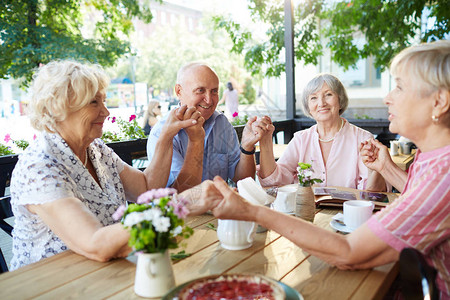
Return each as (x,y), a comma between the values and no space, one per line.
(420,217)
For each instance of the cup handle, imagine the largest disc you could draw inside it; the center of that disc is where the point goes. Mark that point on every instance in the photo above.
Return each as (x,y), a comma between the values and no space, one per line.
(249,236)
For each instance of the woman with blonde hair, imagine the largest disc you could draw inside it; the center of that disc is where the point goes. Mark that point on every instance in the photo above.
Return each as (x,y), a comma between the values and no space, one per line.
(151,116)
(67,184)
(419,109)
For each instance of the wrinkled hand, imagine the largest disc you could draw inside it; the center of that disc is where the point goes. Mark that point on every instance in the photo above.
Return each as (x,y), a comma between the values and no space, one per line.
(202,198)
(196,132)
(254,130)
(233,206)
(263,129)
(176,121)
(374,154)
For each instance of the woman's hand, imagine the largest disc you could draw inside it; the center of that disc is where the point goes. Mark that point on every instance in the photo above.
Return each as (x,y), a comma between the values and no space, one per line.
(255,130)
(233,206)
(202,198)
(374,155)
(263,128)
(180,118)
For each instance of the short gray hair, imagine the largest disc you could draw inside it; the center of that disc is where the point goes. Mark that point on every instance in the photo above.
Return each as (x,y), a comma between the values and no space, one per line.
(316,84)
(183,70)
(61,87)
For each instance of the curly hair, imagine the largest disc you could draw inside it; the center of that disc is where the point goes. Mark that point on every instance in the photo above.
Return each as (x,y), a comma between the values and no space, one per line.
(62,87)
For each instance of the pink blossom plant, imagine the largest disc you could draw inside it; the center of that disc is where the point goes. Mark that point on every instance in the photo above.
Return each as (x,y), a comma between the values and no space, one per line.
(155,221)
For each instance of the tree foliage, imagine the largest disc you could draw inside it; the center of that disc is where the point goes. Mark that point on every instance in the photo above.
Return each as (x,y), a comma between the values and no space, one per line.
(387,26)
(162,53)
(38,31)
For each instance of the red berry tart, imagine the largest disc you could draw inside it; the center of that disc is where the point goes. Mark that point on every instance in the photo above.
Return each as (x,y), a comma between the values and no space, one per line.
(233,286)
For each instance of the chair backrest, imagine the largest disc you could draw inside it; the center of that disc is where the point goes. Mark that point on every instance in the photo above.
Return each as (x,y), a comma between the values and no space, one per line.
(417,278)
(5,212)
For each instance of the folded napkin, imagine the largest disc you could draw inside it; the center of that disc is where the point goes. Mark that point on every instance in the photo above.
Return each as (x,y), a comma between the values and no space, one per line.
(253,192)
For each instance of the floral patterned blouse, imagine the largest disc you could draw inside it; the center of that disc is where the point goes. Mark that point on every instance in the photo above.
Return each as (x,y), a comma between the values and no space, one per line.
(48,170)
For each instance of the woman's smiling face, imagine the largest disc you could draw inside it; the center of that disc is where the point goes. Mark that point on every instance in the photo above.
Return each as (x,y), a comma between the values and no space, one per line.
(324,104)
(87,123)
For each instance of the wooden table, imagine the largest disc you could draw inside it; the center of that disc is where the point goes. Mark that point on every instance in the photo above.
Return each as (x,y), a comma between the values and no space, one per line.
(404,160)
(69,275)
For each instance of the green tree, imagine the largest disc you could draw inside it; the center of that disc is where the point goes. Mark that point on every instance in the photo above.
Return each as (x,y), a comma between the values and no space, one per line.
(161,54)
(388,27)
(38,31)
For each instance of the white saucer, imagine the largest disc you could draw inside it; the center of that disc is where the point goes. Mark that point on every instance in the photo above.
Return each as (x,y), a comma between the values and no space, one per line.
(338,224)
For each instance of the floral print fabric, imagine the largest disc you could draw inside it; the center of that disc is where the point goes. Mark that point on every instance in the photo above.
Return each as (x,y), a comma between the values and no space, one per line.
(48,170)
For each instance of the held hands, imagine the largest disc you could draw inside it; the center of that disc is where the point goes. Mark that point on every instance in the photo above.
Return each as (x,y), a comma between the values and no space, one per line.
(196,132)
(257,129)
(374,155)
(182,117)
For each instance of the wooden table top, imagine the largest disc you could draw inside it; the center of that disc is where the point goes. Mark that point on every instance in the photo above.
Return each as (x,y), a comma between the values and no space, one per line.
(71,275)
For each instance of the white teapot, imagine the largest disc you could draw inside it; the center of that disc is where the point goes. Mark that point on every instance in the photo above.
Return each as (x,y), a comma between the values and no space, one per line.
(235,235)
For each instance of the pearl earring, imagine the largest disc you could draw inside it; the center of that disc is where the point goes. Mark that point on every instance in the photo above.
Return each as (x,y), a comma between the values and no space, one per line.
(435,118)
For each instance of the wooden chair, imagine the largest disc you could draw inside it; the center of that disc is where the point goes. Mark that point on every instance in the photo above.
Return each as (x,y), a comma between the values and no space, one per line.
(5,212)
(417,278)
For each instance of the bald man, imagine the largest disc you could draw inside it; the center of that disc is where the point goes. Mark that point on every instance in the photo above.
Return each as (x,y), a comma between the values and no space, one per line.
(211,147)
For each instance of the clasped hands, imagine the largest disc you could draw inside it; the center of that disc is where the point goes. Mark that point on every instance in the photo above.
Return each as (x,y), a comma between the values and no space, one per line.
(188,119)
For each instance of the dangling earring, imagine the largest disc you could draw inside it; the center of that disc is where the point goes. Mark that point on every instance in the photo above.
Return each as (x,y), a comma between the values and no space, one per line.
(435,118)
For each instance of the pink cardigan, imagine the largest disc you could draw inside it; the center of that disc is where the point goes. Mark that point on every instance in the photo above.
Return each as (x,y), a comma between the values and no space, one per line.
(345,167)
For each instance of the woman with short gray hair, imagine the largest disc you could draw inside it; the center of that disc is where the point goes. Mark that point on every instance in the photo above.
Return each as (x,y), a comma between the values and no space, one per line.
(331,146)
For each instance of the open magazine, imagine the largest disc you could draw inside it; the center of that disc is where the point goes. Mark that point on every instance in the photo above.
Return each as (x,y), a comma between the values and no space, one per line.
(334,197)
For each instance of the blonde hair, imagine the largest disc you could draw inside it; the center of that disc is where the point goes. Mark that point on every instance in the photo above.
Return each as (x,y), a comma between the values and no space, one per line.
(431,62)
(62,87)
(150,113)
(315,84)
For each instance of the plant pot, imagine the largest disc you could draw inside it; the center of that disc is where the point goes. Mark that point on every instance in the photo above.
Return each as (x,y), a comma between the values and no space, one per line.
(154,275)
(305,205)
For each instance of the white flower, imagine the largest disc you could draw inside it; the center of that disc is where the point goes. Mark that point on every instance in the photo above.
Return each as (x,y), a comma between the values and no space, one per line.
(152,214)
(177,230)
(161,224)
(308,173)
(133,218)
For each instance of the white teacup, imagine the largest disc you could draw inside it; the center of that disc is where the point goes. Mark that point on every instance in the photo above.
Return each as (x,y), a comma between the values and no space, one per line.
(235,235)
(356,212)
(285,201)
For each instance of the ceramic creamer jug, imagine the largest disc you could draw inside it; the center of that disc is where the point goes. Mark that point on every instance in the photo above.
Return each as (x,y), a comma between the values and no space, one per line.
(235,235)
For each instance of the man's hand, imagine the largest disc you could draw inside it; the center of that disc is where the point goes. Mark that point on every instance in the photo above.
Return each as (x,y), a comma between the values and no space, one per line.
(202,198)
(177,121)
(263,129)
(254,130)
(374,155)
(195,133)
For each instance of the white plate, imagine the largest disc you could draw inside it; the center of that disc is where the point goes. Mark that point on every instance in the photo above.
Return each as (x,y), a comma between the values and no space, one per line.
(337,224)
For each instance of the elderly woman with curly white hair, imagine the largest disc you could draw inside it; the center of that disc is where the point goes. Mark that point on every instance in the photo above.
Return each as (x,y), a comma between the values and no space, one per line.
(67,184)
(331,146)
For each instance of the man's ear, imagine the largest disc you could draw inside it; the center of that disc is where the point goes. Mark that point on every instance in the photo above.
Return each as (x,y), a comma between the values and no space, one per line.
(178,90)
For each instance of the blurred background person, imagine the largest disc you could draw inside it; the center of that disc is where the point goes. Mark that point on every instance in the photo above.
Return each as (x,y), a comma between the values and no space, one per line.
(151,116)
(231,99)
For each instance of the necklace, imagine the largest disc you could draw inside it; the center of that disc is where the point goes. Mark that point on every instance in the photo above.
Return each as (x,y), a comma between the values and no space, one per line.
(329,140)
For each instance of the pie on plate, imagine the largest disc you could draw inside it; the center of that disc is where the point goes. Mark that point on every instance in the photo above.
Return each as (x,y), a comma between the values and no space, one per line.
(233,286)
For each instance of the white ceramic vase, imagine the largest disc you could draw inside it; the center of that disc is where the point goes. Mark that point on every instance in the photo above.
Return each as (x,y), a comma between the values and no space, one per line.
(305,205)
(154,275)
